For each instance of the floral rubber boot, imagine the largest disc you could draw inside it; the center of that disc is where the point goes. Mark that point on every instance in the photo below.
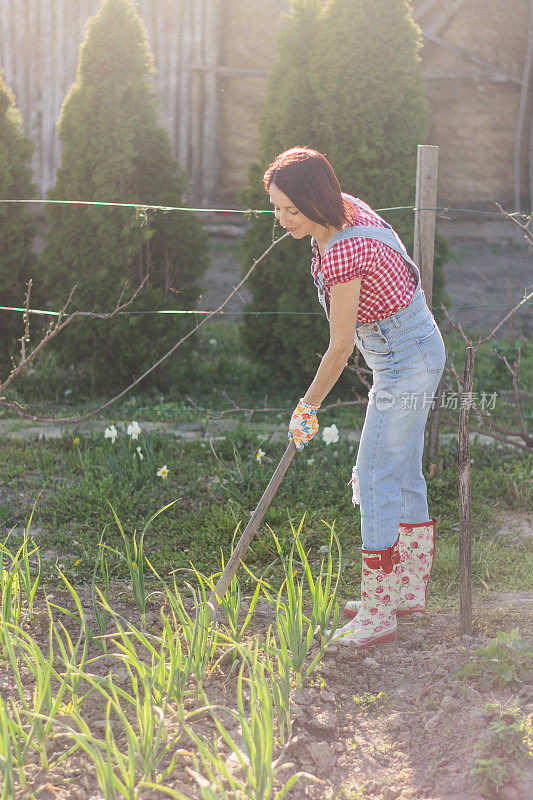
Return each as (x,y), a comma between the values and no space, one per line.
(375,622)
(417,552)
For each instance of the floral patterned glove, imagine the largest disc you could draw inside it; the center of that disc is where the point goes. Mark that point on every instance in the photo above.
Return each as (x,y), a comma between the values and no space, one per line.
(303,425)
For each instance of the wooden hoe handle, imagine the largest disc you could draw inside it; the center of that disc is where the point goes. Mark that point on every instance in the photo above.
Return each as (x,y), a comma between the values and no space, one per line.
(233,564)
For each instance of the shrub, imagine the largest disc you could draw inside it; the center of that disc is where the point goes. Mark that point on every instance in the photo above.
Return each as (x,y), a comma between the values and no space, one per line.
(114,150)
(348,82)
(16,225)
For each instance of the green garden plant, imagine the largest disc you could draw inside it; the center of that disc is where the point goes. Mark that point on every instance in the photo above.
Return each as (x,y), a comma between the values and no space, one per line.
(368,702)
(42,706)
(501,661)
(231,604)
(295,629)
(10,752)
(506,747)
(147,737)
(279,675)
(198,627)
(133,558)
(259,767)
(339,458)
(18,581)
(75,657)
(127,457)
(160,660)
(244,474)
(323,589)
(99,598)
(102,754)
(132,464)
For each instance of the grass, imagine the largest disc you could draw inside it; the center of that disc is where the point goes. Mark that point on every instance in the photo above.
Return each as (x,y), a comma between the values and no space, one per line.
(215,489)
(76,506)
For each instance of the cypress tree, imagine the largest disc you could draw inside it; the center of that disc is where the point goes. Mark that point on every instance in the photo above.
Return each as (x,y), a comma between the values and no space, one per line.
(16,225)
(348,82)
(114,150)
(285,344)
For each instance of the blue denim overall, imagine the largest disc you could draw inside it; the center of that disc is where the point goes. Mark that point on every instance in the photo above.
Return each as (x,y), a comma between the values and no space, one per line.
(406,354)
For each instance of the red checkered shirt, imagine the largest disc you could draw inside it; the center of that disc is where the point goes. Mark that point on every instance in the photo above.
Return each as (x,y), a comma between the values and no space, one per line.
(387,282)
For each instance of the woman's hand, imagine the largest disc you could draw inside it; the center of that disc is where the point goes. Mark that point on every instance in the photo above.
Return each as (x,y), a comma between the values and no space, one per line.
(303,425)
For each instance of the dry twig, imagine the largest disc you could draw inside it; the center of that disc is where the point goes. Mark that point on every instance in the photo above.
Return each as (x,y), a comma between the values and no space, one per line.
(214,414)
(59,324)
(525,228)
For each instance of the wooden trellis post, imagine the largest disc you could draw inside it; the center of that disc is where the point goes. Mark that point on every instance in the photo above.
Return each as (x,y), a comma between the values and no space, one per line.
(427,170)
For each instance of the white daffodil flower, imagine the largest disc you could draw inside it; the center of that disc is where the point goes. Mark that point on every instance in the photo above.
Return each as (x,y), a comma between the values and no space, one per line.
(140,453)
(133,430)
(330,435)
(260,455)
(162,472)
(111,433)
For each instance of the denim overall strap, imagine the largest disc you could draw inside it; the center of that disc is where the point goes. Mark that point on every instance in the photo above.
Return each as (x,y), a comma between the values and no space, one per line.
(386,236)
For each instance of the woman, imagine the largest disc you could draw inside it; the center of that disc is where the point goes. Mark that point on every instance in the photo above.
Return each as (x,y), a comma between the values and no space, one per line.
(371,292)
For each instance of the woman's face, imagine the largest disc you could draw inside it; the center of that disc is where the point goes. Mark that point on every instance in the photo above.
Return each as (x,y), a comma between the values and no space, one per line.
(290,218)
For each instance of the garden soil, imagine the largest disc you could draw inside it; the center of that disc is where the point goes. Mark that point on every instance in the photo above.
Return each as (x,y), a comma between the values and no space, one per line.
(382,723)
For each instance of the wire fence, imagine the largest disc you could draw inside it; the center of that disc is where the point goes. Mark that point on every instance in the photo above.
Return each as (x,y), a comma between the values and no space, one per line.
(249,213)
(141,211)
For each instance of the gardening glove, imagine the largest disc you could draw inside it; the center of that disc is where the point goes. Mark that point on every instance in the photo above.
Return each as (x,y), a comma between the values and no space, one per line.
(303,425)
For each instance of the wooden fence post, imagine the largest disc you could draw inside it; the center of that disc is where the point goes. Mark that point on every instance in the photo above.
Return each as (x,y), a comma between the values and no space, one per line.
(465,534)
(427,168)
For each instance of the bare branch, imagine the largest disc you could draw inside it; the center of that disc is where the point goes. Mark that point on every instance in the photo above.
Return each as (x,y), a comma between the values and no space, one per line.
(525,228)
(455,325)
(485,418)
(214,414)
(492,434)
(516,394)
(61,322)
(525,298)
(360,371)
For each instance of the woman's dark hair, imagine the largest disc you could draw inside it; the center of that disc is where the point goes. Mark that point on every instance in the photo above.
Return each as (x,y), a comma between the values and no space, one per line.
(308,180)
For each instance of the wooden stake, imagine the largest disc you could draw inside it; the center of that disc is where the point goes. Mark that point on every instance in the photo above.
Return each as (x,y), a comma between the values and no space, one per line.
(465,534)
(426,198)
(432,443)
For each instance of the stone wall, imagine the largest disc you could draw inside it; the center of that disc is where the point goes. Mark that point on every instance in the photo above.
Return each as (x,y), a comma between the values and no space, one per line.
(474,106)
(473,88)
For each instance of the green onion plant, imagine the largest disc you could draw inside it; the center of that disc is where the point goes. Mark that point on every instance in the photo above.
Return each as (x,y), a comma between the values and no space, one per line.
(199,628)
(133,557)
